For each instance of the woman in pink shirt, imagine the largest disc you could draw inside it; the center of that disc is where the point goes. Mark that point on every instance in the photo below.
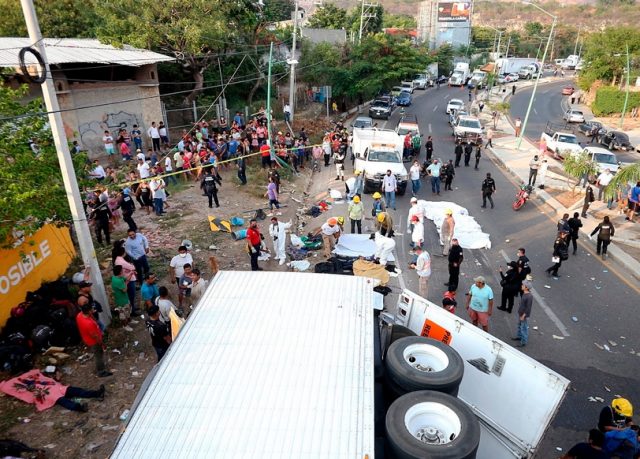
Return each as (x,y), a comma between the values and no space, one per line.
(129,273)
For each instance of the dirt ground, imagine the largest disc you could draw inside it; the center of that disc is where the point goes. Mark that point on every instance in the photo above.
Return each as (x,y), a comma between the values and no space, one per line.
(66,434)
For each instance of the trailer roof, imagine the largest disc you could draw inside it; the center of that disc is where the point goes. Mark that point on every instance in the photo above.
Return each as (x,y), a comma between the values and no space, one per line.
(268,365)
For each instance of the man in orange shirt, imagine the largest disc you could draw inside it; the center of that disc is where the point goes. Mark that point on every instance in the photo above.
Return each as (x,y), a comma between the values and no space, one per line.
(91,335)
(265,154)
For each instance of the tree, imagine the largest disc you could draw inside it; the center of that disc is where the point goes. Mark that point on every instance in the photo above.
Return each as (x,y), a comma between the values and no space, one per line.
(399,21)
(278,10)
(533,28)
(31,188)
(196,32)
(58,18)
(370,25)
(483,38)
(629,174)
(329,16)
(576,166)
(444,58)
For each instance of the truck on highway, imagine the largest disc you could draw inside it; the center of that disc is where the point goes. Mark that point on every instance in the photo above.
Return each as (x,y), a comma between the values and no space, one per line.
(478,79)
(376,151)
(256,372)
(570,62)
(530,71)
(513,64)
(460,74)
(560,140)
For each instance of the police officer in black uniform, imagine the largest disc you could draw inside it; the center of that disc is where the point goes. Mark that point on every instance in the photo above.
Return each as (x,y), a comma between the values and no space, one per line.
(208,184)
(102,214)
(458,153)
(488,188)
(468,149)
(128,206)
(429,148)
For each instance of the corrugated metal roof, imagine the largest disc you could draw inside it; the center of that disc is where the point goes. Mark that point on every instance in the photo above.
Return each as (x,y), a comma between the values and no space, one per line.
(78,50)
(269,365)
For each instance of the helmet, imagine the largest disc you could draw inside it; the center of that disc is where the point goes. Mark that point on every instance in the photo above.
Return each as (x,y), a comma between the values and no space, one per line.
(340,220)
(356,199)
(414,199)
(357,172)
(448,212)
(381,217)
(376,195)
(622,406)
(332,221)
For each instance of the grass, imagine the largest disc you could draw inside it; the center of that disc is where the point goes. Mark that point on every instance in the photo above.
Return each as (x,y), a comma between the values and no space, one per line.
(11,412)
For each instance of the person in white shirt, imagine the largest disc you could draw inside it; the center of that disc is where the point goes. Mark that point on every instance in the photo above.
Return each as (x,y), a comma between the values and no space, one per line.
(414,175)
(107,140)
(168,168)
(143,169)
(423,269)
(542,173)
(415,210)
(417,235)
(198,287)
(165,304)
(140,155)
(602,182)
(389,187)
(157,186)
(164,137)
(330,234)
(98,171)
(154,135)
(287,112)
(278,232)
(176,266)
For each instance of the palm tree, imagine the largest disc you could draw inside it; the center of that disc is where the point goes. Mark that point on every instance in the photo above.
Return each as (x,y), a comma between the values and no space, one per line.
(625,175)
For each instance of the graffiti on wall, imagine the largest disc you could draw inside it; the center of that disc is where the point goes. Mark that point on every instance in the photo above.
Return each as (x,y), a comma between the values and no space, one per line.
(91,132)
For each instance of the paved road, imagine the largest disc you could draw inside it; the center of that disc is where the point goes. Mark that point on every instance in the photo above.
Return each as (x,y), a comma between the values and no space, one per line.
(549,105)
(593,292)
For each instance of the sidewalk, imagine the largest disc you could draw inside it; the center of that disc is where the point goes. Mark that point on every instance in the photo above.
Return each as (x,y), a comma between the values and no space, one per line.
(625,248)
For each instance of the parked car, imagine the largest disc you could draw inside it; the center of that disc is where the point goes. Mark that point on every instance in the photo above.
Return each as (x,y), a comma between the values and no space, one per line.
(573,116)
(454,104)
(587,127)
(404,99)
(442,79)
(381,108)
(568,90)
(616,140)
(603,158)
(421,81)
(508,78)
(408,86)
(455,114)
(396,90)
(362,122)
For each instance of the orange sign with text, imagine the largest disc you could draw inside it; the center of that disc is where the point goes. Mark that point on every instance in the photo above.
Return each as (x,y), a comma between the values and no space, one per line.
(42,257)
(432,330)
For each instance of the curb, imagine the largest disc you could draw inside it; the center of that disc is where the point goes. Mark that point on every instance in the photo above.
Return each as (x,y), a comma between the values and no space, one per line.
(631,265)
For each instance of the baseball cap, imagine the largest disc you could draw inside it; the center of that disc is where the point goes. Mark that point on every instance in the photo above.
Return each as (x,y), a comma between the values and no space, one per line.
(84,284)
(527,284)
(414,199)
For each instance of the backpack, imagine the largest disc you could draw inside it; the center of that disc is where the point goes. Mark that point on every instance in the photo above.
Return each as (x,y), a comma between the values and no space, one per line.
(40,337)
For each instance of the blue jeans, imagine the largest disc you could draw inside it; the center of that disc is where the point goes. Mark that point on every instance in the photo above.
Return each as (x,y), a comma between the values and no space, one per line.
(415,185)
(171,178)
(131,293)
(390,198)
(435,184)
(158,205)
(523,331)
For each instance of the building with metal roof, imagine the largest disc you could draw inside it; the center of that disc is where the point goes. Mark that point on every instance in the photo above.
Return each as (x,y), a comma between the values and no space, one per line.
(100,87)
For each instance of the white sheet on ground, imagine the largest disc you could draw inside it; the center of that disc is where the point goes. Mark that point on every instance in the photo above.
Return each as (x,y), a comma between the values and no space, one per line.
(468,231)
(356,245)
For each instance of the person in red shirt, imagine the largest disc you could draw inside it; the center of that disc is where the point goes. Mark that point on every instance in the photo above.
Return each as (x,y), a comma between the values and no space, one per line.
(91,335)
(265,154)
(254,244)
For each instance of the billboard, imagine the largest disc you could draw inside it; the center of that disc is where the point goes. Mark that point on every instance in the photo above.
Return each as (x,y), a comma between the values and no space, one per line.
(454,11)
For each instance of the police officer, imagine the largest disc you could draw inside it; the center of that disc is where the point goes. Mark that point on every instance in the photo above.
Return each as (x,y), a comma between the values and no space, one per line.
(102,214)
(488,188)
(128,207)
(208,184)
(468,149)
(458,153)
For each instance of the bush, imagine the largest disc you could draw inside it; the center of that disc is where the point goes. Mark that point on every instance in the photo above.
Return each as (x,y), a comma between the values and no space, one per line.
(611,100)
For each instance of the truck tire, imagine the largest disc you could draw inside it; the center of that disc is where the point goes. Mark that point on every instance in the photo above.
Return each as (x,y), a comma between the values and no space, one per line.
(392,333)
(428,424)
(419,363)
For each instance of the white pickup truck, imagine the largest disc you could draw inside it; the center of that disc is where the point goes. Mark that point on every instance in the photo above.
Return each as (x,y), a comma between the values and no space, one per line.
(560,140)
(376,151)
(256,372)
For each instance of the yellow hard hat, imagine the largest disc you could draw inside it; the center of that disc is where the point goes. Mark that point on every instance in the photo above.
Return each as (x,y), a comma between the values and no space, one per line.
(381,217)
(356,199)
(340,220)
(376,195)
(448,212)
(622,406)
(357,172)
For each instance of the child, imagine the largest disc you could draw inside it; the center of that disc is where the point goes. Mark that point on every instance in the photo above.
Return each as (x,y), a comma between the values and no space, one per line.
(449,301)
(120,297)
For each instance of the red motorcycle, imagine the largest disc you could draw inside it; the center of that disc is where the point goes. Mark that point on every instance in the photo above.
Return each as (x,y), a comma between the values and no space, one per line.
(522,196)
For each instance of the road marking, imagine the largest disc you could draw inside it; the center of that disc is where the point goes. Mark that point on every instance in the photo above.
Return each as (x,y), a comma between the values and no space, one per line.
(385,124)
(430,128)
(543,304)
(535,111)
(435,108)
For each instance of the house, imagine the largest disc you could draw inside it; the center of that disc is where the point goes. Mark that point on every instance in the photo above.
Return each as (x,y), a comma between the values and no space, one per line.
(99,87)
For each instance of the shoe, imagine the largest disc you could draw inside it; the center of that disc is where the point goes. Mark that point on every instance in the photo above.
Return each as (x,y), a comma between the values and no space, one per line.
(337,177)
(574,252)
(101,392)
(515,339)
(260,269)
(104,374)
(484,207)
(134,322)
(521,345)
(446,284)
(502,309)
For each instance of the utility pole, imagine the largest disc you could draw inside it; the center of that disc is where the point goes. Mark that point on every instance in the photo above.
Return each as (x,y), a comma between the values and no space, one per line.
(79,217)
(270,137)
(626,95)
(292,74)
(575,48)
(506,54)
(365,13)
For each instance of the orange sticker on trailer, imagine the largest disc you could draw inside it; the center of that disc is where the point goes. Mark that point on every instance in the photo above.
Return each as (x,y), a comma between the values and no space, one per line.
(430,329)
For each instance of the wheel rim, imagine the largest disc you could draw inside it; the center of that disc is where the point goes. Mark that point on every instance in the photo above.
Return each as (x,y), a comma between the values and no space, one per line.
(424,357)
(432,423)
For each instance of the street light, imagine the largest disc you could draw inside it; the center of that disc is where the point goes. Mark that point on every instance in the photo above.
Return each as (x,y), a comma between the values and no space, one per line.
(535,85)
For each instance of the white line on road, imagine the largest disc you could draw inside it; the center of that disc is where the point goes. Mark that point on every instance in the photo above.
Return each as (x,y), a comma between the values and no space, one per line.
(543,304)
(435,108)
(535,111)
(430,128)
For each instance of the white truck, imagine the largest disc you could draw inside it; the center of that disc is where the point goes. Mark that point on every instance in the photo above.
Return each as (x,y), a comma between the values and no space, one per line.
(560,140)
(570,62)
(460,74)
(255,372)
(478,79)
(530,71)
(513,64)
(376,151)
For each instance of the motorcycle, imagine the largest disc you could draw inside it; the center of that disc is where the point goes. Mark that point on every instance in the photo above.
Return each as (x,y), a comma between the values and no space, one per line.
(522,196)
